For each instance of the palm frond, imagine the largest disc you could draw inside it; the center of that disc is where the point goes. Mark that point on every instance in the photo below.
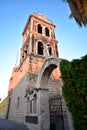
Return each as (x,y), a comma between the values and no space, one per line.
(78,11)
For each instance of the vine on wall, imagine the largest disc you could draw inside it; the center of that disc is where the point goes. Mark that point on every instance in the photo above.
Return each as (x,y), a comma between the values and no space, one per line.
(74,75)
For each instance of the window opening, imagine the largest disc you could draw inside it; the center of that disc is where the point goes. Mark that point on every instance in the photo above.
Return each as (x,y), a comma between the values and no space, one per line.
(47,32)
(34,103)
(28,106)
(56,51)
(18,100)
(50,51)
(9,103)
(40,48)
(39,29)
(25,51)
(33,43)
(23,55)
(31,106)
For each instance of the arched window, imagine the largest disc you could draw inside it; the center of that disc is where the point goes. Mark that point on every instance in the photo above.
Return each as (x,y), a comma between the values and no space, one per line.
(40,48)
(33,104)
(39,29)
(47,32)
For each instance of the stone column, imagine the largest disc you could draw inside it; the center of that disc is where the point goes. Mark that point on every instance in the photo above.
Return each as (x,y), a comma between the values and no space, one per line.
(43,109)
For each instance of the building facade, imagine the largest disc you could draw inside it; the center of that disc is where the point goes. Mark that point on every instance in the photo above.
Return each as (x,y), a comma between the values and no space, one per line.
(36,82)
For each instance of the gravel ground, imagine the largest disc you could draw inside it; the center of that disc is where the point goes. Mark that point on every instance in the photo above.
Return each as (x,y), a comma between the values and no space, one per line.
(9,125)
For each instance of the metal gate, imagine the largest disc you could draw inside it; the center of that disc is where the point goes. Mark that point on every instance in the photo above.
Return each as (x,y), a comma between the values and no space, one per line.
(58,118)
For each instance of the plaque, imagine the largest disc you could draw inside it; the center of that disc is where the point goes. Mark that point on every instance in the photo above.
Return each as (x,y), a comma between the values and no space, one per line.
(31,119)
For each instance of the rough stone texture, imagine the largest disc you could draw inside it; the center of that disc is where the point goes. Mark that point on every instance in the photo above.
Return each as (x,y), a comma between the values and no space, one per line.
(54,86)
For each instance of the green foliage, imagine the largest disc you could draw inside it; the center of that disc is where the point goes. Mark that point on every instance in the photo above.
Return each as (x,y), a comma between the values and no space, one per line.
(74,75)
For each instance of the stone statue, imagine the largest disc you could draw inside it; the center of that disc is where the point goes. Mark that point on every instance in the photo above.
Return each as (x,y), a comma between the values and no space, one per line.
(47,49)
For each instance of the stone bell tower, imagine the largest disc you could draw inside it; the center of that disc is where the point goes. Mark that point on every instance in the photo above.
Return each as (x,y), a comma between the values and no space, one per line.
(39,38)
(39,43)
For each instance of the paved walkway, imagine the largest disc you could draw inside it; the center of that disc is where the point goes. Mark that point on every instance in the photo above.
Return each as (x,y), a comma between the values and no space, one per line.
(9,125)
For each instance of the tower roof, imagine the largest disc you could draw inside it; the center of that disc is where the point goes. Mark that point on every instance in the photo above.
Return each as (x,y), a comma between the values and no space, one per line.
(38,16)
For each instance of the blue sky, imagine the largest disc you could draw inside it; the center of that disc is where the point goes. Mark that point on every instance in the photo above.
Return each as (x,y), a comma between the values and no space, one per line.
(72,40)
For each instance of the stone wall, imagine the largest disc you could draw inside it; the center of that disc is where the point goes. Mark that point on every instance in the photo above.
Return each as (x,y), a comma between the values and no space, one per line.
(30,64)
(20,106)
(17,106)
(55,86)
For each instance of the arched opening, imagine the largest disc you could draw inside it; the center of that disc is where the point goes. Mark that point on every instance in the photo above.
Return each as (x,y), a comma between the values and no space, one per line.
(57,109)
(46,70)
(47,32)
(46,75)
(40,48)
(39,29)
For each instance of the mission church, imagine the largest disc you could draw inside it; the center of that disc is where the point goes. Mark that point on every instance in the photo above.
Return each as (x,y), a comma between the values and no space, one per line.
(35,87)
